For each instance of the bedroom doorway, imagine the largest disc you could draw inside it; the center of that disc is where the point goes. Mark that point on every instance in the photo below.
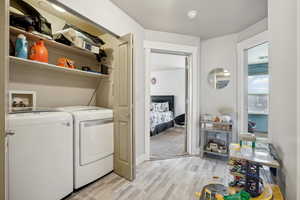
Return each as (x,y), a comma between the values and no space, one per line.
(168,104)
(192,88)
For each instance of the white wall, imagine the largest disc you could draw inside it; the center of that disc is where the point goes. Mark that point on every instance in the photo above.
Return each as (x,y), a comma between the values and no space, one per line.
(109,16)
(253,30)
(171,82)
(218,53)
(169,71)
(222,52)
(283,97)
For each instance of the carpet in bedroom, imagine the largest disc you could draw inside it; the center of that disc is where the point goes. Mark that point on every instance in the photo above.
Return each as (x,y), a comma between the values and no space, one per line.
(167,144)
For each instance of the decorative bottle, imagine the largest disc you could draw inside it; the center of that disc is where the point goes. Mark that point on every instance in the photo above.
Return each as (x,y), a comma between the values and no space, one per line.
(39,52)
(21,47)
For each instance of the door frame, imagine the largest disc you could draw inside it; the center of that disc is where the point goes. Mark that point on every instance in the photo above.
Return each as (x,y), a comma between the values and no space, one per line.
(298,97)
(242,74)
(4,63)
(193,93)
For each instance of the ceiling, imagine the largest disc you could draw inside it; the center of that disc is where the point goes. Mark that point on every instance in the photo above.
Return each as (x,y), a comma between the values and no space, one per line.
(215,17)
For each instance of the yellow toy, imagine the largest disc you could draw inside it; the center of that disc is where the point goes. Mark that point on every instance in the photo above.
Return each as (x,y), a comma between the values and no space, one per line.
(218,192)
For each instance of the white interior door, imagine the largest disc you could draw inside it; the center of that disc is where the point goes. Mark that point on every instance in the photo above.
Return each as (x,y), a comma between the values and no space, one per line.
(3,85)
(124,161)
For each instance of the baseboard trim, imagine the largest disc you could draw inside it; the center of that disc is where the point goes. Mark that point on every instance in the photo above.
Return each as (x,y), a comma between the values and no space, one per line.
(140,159)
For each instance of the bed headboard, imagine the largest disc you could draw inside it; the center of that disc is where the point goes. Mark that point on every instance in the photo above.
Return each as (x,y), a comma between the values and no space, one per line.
(165,98)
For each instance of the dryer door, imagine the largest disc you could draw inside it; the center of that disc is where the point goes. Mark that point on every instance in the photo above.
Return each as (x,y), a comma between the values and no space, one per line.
(96,140)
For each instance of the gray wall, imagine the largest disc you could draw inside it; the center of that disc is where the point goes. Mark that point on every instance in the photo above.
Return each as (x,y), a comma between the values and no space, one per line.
(175,38)
(253,30)
(283,98)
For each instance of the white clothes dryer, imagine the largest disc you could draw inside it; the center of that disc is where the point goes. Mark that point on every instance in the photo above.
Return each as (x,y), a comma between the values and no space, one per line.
(93,143)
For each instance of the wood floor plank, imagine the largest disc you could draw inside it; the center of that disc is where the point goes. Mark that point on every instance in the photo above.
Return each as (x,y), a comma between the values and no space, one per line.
(174,179)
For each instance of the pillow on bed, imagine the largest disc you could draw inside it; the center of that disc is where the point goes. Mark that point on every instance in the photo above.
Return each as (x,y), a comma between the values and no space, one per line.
(159,107)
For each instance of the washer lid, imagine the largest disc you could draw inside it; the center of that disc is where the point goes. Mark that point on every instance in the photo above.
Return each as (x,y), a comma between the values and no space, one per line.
(78,108)
(38,118)
(31,110)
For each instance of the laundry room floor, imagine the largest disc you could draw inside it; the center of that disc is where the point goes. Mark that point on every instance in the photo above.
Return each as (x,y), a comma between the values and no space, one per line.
(176,179)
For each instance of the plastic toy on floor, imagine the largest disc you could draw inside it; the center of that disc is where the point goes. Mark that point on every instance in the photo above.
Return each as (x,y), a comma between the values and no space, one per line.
(239,196)
(213,192)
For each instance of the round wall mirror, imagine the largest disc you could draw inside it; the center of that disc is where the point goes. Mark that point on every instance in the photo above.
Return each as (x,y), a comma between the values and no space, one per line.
(219,78)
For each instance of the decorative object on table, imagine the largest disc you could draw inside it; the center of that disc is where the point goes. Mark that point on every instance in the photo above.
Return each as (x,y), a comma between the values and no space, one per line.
(216,119)
(245,138)
(153,81)
(39,52)
(216,146)
(21,99)
(65,62)
(218,78)
(21,50)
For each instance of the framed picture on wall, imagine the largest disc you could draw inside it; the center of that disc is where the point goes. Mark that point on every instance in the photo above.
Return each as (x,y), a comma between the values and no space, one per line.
(20,100)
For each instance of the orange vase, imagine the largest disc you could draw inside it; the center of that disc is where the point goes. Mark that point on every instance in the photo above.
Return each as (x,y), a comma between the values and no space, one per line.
(39,52)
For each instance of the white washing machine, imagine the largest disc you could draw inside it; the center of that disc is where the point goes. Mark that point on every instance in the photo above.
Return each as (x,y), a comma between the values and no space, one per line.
(93,143)
(40,156)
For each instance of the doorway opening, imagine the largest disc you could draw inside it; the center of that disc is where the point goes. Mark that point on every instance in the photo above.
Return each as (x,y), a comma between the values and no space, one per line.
(258,90)
(168,104)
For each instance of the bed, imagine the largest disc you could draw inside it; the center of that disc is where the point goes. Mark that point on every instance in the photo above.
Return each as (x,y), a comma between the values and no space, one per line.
(161,113)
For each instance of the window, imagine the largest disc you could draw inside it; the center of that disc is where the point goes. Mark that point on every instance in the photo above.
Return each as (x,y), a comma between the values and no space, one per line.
(258,94)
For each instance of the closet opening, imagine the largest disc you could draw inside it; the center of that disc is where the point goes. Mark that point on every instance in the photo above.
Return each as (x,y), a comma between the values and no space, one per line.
(69,88)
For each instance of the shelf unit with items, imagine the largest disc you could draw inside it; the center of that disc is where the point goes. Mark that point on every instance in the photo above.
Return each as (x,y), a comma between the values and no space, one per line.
(216,137)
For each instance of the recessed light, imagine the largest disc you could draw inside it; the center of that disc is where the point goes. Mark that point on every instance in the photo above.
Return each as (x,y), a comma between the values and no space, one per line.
(192,14)
(58,8)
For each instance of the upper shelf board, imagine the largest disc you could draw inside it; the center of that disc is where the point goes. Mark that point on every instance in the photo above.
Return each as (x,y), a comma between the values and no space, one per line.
(56,68)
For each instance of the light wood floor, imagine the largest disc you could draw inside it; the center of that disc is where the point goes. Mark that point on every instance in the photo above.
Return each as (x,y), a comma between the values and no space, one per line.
(174,179)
